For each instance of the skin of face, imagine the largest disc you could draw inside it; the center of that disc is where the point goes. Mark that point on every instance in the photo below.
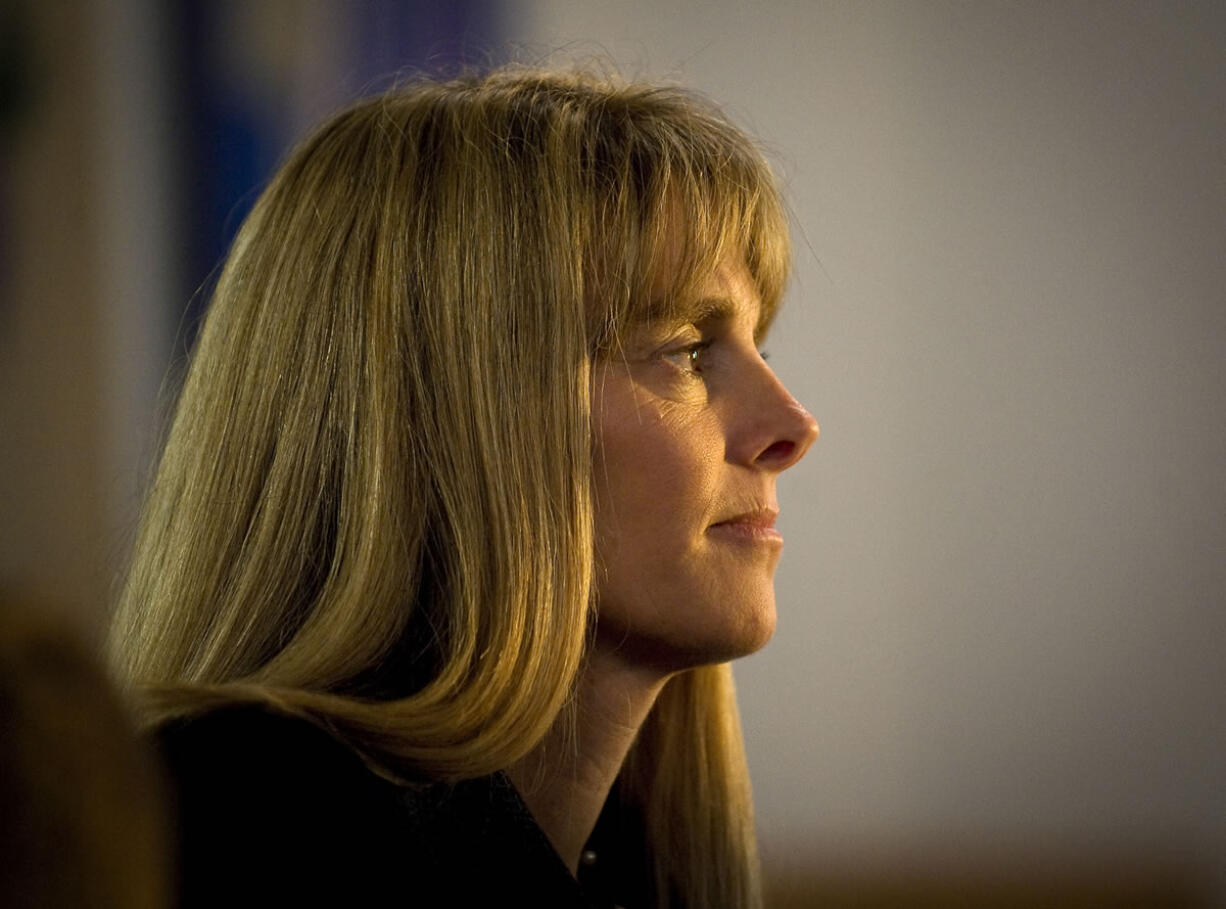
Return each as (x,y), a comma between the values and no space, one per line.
(692,431)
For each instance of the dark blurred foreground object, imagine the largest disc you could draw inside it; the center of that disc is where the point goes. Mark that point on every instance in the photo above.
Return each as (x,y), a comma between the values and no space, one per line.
(81,808)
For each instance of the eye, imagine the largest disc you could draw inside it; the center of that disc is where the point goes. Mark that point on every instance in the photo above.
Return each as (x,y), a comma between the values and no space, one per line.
(688,357)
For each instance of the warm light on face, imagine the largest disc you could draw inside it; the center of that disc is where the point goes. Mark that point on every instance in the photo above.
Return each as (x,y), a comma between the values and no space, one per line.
(692,429)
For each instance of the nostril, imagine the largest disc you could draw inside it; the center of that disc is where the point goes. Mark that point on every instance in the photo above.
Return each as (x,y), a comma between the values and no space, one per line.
(778,453)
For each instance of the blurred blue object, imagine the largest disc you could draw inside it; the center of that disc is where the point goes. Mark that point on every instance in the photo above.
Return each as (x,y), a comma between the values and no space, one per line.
(251,78)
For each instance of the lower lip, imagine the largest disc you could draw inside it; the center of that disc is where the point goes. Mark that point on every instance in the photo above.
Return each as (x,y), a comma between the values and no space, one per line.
(746,533)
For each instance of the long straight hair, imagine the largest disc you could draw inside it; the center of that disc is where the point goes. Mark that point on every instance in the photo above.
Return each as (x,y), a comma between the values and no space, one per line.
(374,505)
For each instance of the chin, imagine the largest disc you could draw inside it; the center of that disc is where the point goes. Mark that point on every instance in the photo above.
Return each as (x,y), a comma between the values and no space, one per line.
(699,643)
(755,633)
(746,630)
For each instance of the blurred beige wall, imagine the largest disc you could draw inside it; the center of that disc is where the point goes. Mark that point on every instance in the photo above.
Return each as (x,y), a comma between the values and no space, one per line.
(53,536)
(86,316)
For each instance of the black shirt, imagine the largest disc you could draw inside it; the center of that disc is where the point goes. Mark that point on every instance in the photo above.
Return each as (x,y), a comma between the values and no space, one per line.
(273,810)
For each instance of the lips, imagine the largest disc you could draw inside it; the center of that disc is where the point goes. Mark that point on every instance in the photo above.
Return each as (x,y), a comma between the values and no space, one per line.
(757,517)
(756,525)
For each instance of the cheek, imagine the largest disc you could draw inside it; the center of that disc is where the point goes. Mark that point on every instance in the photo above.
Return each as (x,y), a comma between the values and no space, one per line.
(667,595)
(654,476)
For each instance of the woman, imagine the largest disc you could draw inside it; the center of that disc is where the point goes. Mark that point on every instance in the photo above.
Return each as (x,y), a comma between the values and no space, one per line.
(469,497)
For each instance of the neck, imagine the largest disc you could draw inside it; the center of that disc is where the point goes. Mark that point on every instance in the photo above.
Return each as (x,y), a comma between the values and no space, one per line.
(566,779)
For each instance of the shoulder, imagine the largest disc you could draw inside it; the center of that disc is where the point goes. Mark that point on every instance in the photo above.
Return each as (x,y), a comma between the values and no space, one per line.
(233,744)
(269,801)
(264,759)
(275,810)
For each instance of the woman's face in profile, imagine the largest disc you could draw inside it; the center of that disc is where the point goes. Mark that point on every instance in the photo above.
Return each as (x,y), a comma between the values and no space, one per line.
(693,430)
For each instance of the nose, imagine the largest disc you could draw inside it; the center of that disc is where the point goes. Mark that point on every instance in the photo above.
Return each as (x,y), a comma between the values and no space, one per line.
(777,431)
(783,453)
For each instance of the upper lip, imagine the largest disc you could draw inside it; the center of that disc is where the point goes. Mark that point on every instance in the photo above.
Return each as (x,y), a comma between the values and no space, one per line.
(756,517)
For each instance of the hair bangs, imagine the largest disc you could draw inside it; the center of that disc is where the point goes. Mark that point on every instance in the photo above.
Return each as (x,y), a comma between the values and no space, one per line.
(696,198)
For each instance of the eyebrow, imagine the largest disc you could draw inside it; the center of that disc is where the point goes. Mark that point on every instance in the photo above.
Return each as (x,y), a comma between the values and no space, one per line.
(707,309)
(702,310)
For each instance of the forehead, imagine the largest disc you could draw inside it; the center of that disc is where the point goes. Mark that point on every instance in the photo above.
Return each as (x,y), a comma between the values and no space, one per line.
(727,292)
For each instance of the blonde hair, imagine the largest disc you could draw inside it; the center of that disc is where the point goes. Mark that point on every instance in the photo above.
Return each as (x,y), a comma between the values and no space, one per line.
(374,507)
